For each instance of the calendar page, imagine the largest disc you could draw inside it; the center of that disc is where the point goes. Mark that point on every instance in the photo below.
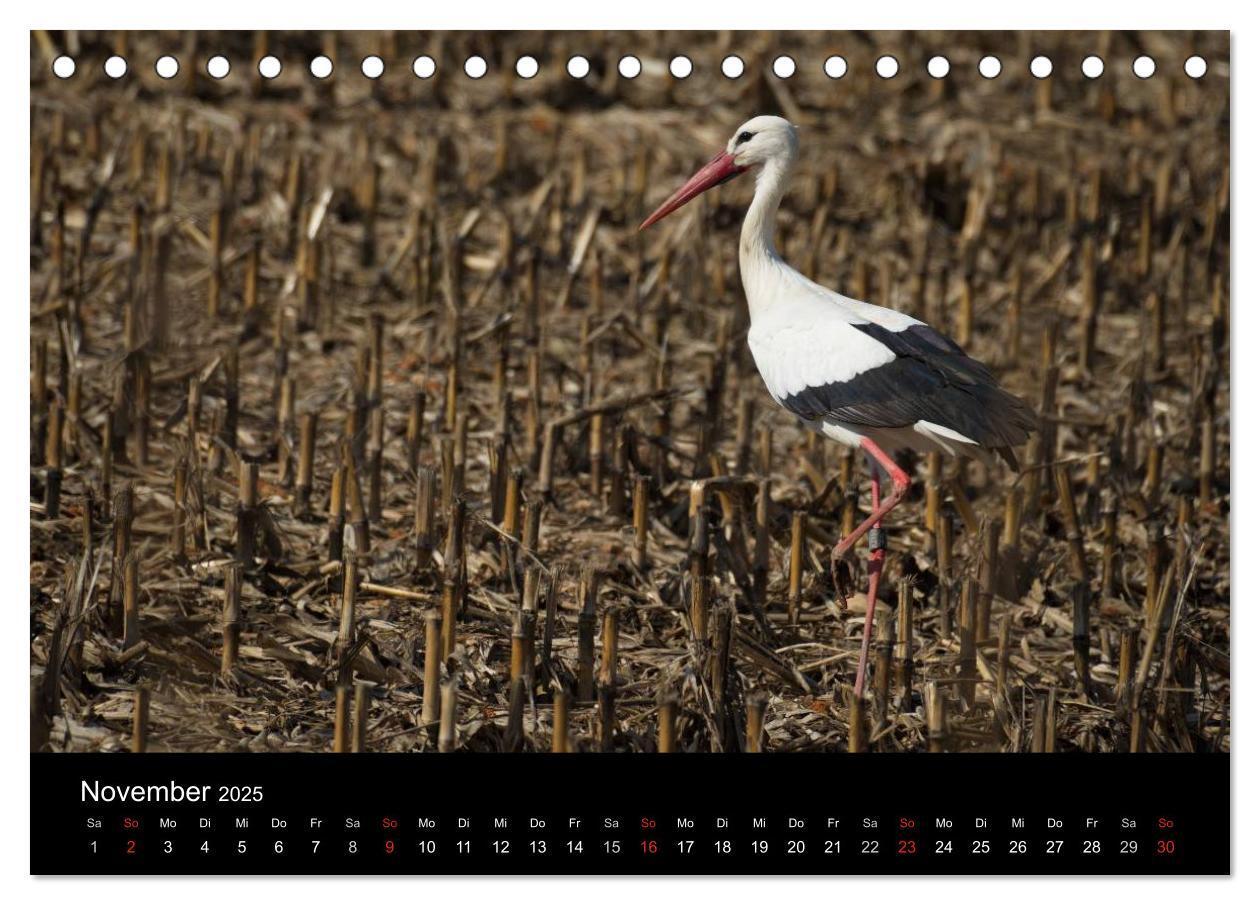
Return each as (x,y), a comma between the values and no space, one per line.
(558,452)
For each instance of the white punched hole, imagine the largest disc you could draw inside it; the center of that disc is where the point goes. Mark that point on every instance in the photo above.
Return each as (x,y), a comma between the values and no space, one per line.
(372,66)
(680,67)
(784,67)
(1041,67)
(63,67)
(423,67)
(887,66)
(475,67)
(1144,67)
(938,67)
(1092,66)
(115,67)
(578,67)
(732,67)
(269,66)
(321,67)
(217,67)
(835,66)
(527,67)
(629,67)
(990,67)
(167,66)
(1196,67)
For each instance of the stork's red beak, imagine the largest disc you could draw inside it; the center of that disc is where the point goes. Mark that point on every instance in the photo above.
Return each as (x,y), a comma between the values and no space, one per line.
(715,172)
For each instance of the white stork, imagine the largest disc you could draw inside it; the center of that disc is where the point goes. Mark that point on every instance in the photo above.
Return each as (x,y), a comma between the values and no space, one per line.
(866,376)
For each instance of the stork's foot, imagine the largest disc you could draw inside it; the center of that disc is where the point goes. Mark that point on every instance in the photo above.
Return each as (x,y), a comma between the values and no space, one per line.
(841,576)
(841,573)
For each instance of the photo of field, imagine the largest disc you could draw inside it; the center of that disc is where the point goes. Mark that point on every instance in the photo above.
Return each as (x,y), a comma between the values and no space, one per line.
(363,417)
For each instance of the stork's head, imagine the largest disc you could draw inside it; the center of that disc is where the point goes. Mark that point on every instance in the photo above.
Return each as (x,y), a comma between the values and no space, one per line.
(761,140)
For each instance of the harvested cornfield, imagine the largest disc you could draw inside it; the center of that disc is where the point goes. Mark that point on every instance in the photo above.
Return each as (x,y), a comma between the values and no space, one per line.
(364,418)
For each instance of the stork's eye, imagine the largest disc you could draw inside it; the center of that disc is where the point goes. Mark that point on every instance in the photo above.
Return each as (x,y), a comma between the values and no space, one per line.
(743,137)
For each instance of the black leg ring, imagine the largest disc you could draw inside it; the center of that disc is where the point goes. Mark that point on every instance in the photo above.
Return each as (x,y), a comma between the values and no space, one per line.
(877,539)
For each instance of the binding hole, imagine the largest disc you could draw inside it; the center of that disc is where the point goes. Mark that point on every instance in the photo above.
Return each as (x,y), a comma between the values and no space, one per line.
(784,66)
(372,66)
(475,67)
(321,67)
(269,66)
(423,67)
(938,67)
(732,67)
(63,67)
(990,67)
(1092,66)
(680,67)
(166,66)
(629,67)
(217,67)
(1196,67)
(835,66)
(1144,67)
(578,67)
(527,67)
(1040,67)
(115,67)
(887,66)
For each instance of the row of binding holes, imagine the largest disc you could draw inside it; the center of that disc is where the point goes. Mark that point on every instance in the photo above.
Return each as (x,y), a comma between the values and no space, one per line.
(680,67)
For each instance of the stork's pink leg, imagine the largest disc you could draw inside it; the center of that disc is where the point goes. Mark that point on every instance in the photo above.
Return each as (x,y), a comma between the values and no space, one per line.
(879,509)
(875,566)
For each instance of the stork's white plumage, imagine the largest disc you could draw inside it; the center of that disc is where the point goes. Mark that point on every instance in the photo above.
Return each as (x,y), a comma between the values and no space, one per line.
(863,375)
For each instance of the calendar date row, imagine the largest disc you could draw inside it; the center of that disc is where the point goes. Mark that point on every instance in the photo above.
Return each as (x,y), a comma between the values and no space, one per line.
(644,847)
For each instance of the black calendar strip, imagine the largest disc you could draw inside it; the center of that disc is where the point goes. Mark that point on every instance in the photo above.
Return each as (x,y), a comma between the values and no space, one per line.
(687,814)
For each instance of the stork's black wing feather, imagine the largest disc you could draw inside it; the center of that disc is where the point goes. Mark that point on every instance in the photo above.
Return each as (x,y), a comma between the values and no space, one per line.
(931,379)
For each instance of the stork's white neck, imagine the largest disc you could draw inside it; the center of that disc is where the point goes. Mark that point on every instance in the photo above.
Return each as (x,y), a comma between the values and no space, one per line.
(760,266)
